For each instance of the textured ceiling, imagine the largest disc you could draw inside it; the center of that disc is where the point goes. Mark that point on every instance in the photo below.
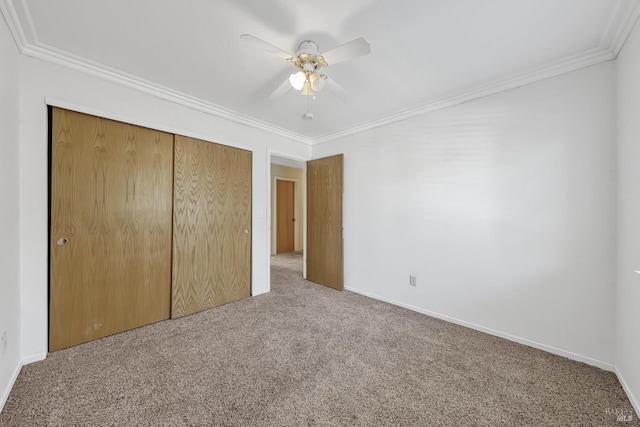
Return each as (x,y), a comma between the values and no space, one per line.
(425,53)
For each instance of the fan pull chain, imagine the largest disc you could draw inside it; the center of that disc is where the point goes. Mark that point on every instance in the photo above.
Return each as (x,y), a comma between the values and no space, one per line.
(308,115)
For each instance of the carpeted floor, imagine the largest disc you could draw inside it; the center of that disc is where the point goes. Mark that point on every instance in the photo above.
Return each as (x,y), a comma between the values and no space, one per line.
(308,355)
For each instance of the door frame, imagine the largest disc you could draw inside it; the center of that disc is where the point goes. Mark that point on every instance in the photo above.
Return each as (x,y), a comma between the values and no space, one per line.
(271,200)
(274,206)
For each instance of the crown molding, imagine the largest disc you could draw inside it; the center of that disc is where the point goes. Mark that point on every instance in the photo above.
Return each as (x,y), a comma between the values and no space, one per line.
(625,26)
(50,54)
(11,18)
(622,22)
(576,62)
(30,30)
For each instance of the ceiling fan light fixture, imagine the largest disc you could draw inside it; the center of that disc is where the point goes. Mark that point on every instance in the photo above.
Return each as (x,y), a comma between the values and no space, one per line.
(298,80)
(309,60)
(318,81)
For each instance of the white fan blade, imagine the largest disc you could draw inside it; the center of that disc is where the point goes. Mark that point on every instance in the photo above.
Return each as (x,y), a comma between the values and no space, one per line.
(248,38)
(354,48)
(339,91)
(282,90)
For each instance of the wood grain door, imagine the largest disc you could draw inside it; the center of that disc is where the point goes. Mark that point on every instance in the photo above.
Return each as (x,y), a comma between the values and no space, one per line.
(285,216)
(324,221)
(211,225)
(111,210)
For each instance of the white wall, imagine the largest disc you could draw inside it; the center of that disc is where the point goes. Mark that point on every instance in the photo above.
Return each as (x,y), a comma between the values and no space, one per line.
(280,171)
(40,80)
(628,292)
(10,358)
(504,209)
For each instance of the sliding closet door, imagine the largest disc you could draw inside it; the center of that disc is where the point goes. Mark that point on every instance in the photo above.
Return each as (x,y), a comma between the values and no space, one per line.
(324,221)
(111,210)
(211,225)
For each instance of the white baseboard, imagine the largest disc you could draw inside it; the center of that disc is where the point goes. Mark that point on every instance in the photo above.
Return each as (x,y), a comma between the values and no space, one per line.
(527,342)
(29,359)
(34,358)
(7,390)
(627,389)
(261,292)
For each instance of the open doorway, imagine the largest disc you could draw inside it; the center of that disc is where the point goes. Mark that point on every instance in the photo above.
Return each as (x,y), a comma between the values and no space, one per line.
(287,214)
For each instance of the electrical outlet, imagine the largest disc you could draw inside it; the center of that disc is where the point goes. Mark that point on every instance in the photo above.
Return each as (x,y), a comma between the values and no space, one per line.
(3,342)
(412,280)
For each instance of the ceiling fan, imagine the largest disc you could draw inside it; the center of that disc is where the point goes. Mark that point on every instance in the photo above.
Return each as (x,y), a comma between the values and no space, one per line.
(309,61)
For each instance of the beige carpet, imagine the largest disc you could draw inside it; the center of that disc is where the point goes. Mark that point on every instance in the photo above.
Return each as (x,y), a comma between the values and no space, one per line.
(308,355)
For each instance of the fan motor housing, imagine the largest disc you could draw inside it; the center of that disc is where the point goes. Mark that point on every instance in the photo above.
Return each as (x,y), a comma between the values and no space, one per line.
(308,53)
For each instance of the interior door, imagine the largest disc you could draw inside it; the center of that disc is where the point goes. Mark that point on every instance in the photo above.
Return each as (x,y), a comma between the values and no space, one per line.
(324,221)
(211,225)
(285,213)
(110,242)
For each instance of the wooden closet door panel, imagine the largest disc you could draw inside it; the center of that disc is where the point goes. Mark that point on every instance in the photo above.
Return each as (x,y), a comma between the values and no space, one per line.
(324,221)
(212,225)
(111,198)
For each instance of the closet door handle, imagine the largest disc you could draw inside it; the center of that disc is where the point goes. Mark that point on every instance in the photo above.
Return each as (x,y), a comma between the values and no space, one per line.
(62,241)
(246,231)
